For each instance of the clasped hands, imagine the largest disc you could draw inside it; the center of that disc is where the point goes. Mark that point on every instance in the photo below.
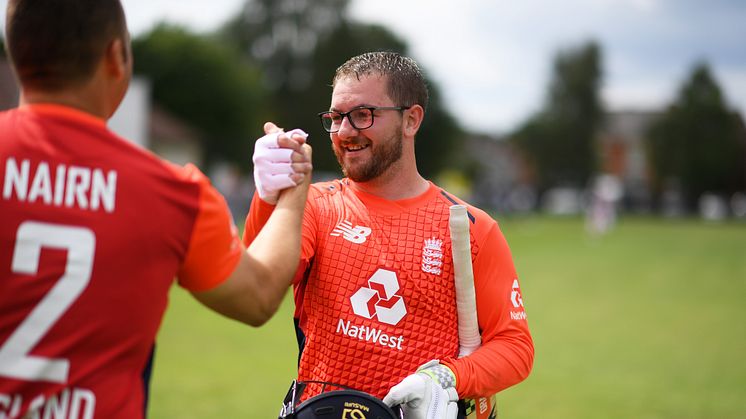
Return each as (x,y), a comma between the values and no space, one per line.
(281,160)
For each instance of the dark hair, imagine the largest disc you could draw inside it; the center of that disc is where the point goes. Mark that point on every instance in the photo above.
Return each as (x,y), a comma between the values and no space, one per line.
(55,44)
(406,84)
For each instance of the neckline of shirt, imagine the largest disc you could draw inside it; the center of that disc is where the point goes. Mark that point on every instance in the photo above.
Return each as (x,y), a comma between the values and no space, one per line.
(392,207)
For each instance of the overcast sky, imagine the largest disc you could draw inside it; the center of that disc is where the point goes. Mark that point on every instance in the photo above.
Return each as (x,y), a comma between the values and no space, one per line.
(493,58)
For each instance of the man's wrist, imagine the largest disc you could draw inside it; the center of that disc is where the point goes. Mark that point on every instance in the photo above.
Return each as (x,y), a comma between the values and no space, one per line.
(439,373)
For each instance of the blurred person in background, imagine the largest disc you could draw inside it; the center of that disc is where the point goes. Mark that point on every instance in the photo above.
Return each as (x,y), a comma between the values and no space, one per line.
(601,213)
(94,229)
(375,305)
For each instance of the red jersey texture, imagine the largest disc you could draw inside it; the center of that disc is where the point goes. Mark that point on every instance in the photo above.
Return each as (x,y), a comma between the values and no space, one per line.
(94,231)
(375,296)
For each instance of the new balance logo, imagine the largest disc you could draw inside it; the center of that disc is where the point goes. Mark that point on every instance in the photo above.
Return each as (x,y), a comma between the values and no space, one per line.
(357,234)
(379,298)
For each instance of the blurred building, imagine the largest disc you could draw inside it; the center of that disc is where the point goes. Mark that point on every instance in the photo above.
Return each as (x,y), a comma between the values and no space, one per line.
(621,145)
(132,118)
(136,119)
(504,181)
(173,139)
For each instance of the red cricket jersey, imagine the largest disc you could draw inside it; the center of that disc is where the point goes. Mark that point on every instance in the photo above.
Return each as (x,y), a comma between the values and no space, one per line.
(375,293)
(94,231)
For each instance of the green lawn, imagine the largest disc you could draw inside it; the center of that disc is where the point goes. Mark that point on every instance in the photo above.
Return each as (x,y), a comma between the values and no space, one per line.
(648,321)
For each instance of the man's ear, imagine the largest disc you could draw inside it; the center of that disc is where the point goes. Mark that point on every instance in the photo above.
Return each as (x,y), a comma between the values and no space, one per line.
(413,119)
(116,57)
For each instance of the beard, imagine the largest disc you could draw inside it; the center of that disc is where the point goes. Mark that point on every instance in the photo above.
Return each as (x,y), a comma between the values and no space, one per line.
(384,154)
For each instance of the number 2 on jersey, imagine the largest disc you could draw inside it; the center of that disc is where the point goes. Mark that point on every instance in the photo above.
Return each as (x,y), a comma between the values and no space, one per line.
(80,243)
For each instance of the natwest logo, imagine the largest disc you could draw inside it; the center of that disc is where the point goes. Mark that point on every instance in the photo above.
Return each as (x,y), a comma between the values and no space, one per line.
(515,295)
(379,298)
(517,301)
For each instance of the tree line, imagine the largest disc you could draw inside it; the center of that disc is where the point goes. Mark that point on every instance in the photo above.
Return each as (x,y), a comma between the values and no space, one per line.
(697,142)
(274,60)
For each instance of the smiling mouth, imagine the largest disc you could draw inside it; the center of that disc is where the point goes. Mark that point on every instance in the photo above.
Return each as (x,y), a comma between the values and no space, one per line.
(355,147)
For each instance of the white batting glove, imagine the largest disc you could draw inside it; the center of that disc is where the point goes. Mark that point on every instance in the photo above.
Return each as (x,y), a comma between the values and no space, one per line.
(273,166)
(429,393)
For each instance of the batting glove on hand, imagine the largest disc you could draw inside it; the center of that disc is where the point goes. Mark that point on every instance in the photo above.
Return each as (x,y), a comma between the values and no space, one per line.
(429,393)
(273,166)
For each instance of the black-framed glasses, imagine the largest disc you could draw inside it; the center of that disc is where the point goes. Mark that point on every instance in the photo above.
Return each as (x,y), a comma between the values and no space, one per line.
(360,118)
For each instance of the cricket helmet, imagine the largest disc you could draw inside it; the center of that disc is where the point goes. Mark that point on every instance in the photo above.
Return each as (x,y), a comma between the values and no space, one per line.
(344,403)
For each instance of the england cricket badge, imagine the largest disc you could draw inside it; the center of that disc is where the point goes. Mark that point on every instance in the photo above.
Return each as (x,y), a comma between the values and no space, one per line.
(432,256)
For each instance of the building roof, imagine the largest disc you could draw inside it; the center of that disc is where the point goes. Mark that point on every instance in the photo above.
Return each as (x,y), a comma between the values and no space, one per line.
(165,127)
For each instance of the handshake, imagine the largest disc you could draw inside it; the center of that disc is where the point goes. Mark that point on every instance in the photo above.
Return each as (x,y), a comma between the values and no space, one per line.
(281,160)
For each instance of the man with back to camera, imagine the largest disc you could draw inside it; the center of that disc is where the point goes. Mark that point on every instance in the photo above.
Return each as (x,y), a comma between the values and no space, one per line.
(94,230)
(374,293)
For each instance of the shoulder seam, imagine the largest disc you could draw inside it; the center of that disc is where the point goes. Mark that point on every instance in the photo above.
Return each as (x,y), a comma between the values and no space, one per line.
(453,200)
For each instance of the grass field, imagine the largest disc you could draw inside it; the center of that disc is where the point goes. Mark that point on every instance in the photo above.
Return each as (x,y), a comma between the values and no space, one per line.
(648,321)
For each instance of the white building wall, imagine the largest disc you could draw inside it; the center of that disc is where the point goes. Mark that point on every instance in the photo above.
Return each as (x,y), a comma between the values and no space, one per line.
(131,120)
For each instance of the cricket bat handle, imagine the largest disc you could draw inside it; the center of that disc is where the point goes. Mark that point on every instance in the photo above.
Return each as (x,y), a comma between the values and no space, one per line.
(466,305)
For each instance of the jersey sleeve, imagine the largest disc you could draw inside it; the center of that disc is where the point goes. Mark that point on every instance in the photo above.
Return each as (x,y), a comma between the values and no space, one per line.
(507,352)
(214,247)
(259,214)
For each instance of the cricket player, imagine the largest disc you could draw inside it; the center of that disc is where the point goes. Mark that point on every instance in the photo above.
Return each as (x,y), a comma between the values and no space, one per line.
(94,229)
(374,291)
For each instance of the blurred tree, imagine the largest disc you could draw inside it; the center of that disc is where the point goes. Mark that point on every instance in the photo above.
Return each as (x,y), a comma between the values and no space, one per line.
(698,141)
(282,36)
(299,45)
(440,142)
(206,83)
(559,140)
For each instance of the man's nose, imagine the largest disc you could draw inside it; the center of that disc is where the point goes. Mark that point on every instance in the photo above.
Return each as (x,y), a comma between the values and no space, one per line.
(346,129)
